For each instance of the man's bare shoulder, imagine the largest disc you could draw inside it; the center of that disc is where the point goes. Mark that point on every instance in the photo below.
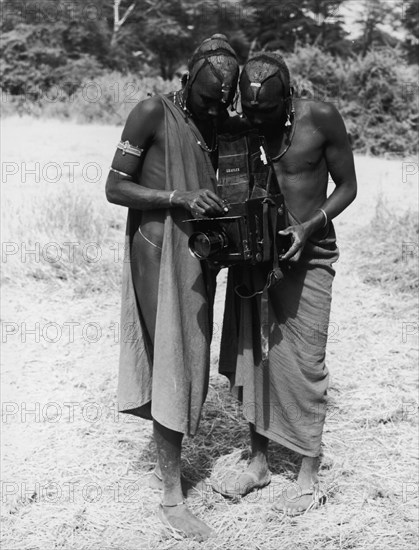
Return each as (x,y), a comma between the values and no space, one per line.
(318,110)
(151,107)
(324,116)
(144,121)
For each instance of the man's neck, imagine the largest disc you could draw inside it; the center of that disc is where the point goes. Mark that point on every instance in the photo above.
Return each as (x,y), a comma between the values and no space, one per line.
(208,130)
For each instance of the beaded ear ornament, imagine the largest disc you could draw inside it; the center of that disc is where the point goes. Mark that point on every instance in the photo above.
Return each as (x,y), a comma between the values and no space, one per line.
(256,87)
(180,97)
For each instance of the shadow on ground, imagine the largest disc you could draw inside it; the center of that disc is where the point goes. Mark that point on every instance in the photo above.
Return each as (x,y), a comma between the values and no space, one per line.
(223,434)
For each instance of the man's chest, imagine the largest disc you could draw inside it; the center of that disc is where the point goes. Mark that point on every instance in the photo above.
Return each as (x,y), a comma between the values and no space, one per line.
(301,152)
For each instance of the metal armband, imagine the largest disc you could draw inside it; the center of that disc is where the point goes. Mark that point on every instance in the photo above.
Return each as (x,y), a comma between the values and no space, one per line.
(126,147)
(120,173)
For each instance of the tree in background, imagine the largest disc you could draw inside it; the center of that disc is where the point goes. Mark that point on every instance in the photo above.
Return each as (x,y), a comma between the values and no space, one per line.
(281,25)
(411,24)
(119,18)
(378,20)
(44,44)
(167,35)
(51,43)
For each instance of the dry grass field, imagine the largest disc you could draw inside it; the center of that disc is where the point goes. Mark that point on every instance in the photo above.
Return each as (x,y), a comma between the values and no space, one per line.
(75,474)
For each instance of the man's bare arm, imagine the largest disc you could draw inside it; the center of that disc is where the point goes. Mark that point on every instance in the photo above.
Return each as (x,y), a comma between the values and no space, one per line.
(340,164)
(339,161)
(123,185)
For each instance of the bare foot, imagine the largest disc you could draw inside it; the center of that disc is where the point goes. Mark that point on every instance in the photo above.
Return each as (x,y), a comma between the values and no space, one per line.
(180,518)
(296,499)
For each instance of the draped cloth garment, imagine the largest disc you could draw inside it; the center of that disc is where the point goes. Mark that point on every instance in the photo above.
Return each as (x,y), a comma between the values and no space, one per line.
(285,400)
(173,371)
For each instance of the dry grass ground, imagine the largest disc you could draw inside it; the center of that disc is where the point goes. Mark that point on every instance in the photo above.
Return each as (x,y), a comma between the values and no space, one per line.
(75,473)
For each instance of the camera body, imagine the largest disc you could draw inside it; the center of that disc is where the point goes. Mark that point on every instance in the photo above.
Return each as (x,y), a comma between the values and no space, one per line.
(248,233)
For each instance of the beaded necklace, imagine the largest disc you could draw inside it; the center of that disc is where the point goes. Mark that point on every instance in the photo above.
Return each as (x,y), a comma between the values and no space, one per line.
(180,102)
(290,129)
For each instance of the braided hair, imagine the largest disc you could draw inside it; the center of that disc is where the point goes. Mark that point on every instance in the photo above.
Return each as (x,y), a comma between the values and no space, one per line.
(263,66)
(217,53)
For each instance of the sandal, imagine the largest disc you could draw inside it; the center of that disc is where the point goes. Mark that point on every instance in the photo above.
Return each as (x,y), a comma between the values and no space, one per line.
(319,499)
(237,486)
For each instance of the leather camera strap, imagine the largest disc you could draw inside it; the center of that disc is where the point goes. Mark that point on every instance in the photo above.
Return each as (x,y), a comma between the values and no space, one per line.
(276,274)
(270,214)
(270,219)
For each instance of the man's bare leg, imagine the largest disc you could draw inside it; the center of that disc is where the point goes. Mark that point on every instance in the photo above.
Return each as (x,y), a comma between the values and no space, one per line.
(292,500)
(258,463)
(156,482)
(175,512)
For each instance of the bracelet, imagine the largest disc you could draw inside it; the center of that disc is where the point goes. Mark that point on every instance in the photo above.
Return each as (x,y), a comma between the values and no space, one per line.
(172,194)
(326,221)
(119,172)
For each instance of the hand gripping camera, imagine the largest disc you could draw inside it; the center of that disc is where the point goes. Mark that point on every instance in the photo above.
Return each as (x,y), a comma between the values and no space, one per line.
(247,183)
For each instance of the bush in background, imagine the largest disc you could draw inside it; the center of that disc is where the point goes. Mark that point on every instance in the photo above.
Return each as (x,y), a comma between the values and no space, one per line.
(377,95)
(106,99)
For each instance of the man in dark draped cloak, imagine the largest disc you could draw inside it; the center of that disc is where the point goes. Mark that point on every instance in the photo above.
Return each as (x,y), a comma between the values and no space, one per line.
(163,171)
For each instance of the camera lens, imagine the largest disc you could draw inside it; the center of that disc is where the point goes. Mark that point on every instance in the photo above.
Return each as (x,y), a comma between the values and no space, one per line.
(203,245)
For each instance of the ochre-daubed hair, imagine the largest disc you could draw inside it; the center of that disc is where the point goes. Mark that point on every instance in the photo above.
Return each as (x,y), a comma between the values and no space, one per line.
(220,56)
(264,65)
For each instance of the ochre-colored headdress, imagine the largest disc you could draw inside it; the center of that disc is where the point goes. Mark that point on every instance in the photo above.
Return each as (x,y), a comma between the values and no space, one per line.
(219,56)
(260,68)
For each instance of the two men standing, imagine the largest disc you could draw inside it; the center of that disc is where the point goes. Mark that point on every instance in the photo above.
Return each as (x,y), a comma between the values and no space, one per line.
(164,171)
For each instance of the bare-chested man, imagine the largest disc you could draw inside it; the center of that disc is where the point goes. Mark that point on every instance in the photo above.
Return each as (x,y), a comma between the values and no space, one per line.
(163,171)
(285,401)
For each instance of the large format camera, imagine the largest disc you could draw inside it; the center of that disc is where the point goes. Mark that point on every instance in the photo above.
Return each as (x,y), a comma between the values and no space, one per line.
(247,183)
